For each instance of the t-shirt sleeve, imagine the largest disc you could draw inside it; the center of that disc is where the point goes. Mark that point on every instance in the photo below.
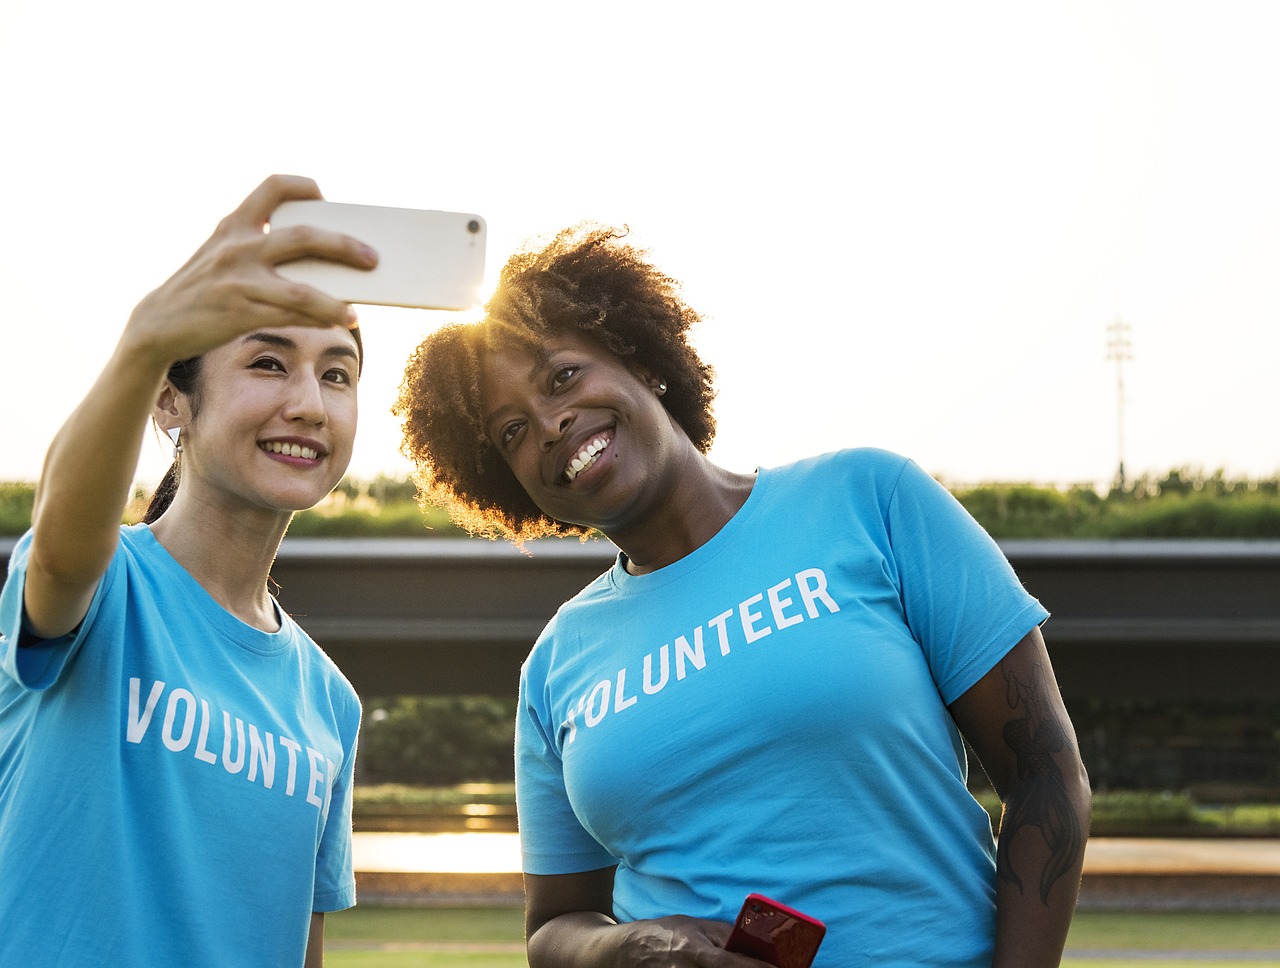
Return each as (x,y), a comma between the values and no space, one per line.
(962,600)
(335,887)
(552,839)
(38,666)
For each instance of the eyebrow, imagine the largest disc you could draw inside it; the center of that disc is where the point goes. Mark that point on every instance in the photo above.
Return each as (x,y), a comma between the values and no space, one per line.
(542,359)
(284,342)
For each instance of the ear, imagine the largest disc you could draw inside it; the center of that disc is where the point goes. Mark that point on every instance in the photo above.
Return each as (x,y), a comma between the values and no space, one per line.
(171,410)
(653,382)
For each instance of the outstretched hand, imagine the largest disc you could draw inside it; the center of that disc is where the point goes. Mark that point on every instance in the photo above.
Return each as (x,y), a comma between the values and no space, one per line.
(229,287)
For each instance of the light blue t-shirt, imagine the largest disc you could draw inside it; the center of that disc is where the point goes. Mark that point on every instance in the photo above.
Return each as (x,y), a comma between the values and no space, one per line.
(175,785)
(770,714)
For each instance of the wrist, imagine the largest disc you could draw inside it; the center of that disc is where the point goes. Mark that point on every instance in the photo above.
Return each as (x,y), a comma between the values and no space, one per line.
(142,347)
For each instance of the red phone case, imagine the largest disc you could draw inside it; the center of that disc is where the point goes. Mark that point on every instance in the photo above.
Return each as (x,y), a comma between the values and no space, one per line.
(773,932)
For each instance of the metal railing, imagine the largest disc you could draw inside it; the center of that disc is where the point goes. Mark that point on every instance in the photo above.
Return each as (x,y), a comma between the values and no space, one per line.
(1156,619)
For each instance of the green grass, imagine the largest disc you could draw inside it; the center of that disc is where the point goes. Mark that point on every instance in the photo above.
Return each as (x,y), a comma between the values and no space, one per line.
(1067,963)
(1106,932)
(408,926)
(428,959)
(1176,931)
(395,924)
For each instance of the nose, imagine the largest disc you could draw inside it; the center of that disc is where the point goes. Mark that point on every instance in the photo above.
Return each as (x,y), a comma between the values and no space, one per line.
(305,401)
(552,425)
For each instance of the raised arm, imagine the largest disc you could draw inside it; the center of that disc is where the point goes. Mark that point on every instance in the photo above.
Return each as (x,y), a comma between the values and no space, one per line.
(1015,720)
(228,288)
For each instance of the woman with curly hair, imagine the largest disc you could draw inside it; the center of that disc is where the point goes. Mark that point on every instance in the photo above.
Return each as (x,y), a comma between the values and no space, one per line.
(767,691)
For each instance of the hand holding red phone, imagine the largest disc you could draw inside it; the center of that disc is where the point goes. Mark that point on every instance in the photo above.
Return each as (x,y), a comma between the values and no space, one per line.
(774,933)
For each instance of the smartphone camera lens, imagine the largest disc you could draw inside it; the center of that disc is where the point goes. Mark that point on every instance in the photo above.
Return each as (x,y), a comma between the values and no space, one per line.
(473,226)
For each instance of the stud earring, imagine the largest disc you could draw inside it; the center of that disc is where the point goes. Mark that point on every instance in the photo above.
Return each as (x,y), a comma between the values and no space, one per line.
(174,433)
(662,388)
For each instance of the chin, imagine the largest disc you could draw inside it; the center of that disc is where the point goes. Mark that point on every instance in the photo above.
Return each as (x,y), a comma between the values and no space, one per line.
(291,502)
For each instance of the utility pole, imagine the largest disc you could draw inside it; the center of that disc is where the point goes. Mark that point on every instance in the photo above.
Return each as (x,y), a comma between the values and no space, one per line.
(1119,350)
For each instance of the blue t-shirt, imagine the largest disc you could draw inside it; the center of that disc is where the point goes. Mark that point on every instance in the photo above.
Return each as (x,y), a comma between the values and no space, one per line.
(769,714)
(175,785)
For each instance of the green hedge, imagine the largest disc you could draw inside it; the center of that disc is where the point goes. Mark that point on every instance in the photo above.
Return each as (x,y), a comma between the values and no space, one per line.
(1180,504)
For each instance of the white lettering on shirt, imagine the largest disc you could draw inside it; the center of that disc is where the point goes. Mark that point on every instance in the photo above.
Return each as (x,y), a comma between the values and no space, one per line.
(136,727)
(718,623)
(261,754)
(749,619)
(202,750)
(694,654)
(258,752)
(754,620)
(651,687)
(593,715)
(314,758)
(818,590)
(294,749)
(179,743)
(621,701)
(232,766)
(778,604)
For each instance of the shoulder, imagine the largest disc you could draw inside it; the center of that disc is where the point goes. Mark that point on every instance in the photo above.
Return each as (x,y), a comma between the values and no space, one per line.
(869,473)
(860,462)
(559,633)
(324,672)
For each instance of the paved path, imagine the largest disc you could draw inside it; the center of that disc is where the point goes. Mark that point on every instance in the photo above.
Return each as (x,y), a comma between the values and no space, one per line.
(499,853)
(1120,873)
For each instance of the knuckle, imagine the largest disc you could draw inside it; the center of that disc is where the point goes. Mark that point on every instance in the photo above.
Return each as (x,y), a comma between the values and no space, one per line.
(299,295)
(229,255)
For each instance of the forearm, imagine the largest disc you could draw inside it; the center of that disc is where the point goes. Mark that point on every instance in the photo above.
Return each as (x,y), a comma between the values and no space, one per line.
(582,939)
(314,957)
(1038,867)
(85,484)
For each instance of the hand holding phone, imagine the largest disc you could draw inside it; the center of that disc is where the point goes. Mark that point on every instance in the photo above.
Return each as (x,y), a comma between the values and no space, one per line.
(426,259)
(773,932)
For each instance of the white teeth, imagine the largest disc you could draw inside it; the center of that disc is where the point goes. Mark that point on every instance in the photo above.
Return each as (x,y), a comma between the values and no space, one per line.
(291,450)
(585,457)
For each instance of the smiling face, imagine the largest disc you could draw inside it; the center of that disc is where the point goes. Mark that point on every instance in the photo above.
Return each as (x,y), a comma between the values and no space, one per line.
(586,437)
(276,419)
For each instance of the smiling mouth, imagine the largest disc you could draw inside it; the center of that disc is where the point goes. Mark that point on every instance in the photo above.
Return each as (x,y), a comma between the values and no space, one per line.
(587,455)
(290,450)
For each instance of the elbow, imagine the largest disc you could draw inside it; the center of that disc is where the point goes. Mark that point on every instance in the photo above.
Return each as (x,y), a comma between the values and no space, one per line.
(1082,794)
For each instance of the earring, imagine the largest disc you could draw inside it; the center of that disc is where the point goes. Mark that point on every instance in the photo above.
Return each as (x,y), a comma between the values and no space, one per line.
(174,433)
(662,388)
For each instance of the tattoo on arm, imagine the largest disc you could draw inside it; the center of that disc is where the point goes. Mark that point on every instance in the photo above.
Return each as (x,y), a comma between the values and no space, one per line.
(1042,799)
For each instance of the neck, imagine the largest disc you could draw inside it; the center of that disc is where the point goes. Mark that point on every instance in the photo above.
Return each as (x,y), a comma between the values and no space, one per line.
(700,506)
(229,553)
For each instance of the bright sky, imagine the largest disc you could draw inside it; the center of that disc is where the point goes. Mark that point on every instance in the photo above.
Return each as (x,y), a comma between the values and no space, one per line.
(906,224)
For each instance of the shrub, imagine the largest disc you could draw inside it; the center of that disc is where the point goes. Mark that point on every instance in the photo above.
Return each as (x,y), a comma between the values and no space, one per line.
(437,740)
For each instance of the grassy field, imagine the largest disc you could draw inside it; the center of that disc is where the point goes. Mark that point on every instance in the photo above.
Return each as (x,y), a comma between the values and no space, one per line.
(374,937)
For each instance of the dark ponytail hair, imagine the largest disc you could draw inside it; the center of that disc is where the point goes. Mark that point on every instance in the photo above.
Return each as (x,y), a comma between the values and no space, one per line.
(184,376)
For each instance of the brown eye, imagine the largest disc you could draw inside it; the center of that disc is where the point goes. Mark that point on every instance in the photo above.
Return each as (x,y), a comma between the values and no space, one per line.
(509,433)
(564,374)
(338,375)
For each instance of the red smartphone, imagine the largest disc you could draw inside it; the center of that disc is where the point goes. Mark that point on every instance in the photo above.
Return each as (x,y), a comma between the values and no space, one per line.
(775,933)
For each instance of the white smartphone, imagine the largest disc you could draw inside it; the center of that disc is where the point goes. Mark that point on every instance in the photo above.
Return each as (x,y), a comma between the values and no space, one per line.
(426,259)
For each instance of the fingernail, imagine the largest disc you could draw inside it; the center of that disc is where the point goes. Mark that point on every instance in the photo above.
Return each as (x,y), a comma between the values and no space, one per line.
(352,321)
(370,255)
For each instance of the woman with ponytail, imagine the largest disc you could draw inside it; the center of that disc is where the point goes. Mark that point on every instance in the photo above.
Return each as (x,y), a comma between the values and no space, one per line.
(176,754)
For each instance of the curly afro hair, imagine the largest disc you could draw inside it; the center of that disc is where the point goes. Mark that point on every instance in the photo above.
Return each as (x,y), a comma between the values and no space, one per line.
(585,281)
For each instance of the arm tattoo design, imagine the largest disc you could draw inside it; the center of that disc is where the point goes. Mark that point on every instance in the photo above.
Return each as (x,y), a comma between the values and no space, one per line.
(1043,800)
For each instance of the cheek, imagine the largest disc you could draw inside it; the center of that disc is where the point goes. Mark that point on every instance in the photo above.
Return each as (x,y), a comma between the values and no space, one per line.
(526,471)
(343,420)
